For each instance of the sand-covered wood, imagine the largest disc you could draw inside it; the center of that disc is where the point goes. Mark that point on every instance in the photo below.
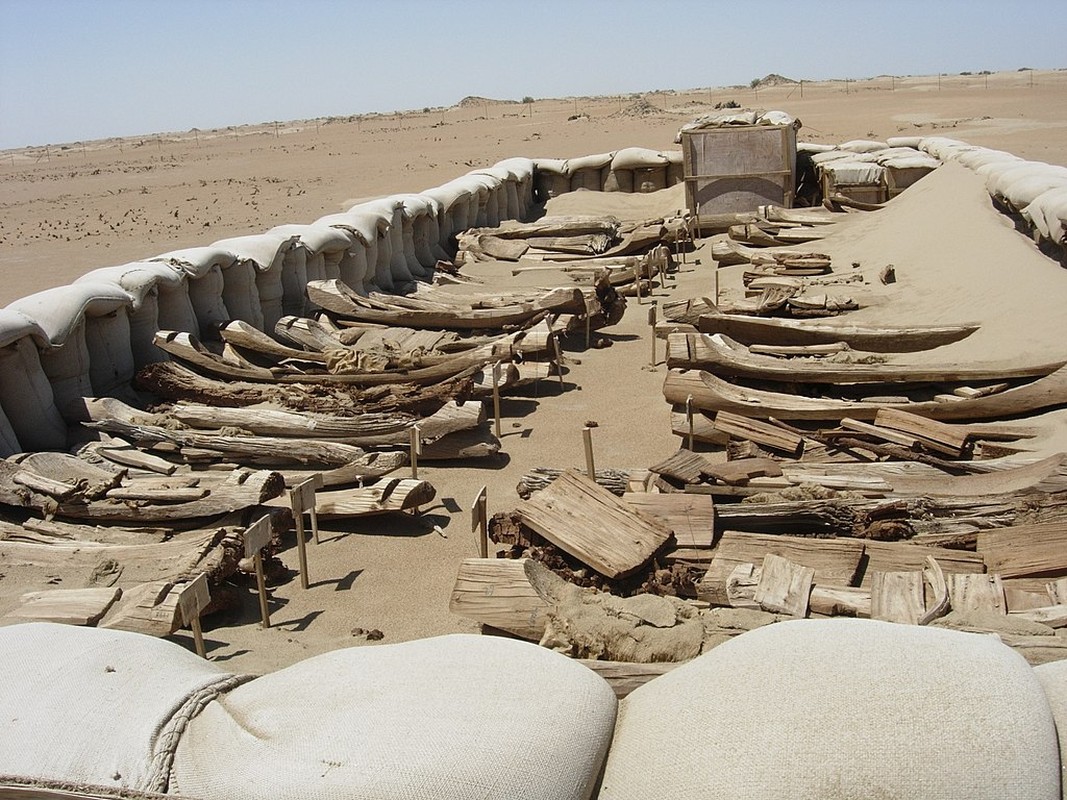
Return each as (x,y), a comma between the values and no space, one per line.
(593,525)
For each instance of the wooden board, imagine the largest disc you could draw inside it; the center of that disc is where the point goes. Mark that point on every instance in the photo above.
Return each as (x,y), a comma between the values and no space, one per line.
(68,606)
(1026,550)
(593,525)
(976,593)
(784,587)
(690,516)
(898,597)
(495,591)
(910,557)
(835,561)
(624,677)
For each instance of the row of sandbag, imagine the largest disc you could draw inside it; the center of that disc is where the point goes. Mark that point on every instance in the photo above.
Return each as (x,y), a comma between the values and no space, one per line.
(890,166)
(464,716)
(631,169)
(89,338)
(1033,190)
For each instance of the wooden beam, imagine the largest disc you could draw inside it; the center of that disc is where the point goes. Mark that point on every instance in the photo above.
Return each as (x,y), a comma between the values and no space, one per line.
(1037,550)
(898,597)
(784,587)
(496,592)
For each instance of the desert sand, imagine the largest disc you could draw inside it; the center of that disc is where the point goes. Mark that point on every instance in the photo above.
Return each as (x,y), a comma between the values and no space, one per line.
(67,209)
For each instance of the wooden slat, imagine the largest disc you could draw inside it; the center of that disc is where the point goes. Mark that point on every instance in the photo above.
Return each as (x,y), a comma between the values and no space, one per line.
(495,591)
(908,557)
(898,597)
(1026,550)
(624,677)
(835,561)
(690,516)
(683,466)
(954,436)
(742,470)
(760,432)
(68,606)
(593,525)
(784,587)
(976,593)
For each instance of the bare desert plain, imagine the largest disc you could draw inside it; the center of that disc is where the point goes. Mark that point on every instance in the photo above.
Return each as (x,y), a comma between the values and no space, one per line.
(67,208)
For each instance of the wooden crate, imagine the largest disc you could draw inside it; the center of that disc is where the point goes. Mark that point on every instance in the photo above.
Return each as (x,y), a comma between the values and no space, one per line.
(861,192)
(739,168)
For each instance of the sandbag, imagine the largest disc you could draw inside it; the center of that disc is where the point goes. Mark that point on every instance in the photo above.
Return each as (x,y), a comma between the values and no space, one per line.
(863,146)
(31,420)
(650,179)
(98,707)
(638,158)
(1048,214)
(457,716)
(1053,680)
(203,266)
(552,178)
(522,171)
(904,141)
(354,265)
(618,180)
(316,246)
(240,294)
(267,252)
(846,708)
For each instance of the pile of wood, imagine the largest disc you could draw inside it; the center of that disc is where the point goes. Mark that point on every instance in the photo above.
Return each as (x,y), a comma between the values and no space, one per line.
(628,255)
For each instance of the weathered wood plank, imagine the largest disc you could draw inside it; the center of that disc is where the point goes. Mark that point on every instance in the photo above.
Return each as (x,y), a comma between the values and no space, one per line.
(1025,550)
(898,597)
(910,557)
(593,525)
(496,592)
(68,606)
(690,516)
(976,593)
(784,587)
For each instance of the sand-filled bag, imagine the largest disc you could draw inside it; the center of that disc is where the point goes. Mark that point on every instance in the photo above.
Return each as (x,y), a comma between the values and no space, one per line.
(451,717)
(843,708)
(97,707)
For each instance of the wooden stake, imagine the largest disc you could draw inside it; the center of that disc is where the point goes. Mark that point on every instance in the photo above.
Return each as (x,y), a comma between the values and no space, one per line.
(301,498)
(257,536)
(689,418)
(716,273)
(652,329)
(416,448)
(496,397)
(559,359)
(590,467)
(588,328)
(191,601)
(480,521)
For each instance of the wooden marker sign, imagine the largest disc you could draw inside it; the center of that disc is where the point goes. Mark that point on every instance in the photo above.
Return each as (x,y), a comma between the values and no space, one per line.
(302,498)
(416,450)
(191,601)
(652,327)
(480,521)
(257,536)
(689,418)
(590,467)
(496,397)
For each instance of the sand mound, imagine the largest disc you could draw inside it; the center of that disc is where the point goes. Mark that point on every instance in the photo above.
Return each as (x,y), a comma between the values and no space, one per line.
(774,79)
(639,108)
(957,260)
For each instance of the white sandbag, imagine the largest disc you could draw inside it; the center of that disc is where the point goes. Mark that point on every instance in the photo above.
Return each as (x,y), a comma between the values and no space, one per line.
(507,190)
(843,708)
(377,221)
(9,443)
(450,718)
(853,172)
(98,707)
(267,252)
(904,141)
(317,246)
(354,266)
(983,155)
(240,294)
(1053,680)
(496,206)
(943,148)
(88,333)
(552,178)
(638,158)
(1048,215)
(587,172)
(814,147)
(863,146)
(478,210)
(31,420)
(421,212)
(826,156)
(1021,182)
(618,180)
(522,170)
(160,300)
(203,266)
(392,208)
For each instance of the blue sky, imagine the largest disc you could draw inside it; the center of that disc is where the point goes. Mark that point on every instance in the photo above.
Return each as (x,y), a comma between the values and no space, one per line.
(74,70)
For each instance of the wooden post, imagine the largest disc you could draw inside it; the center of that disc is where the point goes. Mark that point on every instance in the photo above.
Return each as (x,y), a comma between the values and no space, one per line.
(480,521)
(652,329)
(689,419)
(559,359)
(416,448)
(716,274)
(301,498)
(496,397)
(191,601)
(257,536)
(590,467)
(639,287)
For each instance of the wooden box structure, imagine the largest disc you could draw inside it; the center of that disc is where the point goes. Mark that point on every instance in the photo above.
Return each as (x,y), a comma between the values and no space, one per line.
(736,168)
(864,182)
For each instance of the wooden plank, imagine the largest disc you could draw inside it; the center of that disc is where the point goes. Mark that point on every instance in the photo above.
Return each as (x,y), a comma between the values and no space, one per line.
(68,606)
(684,466)
(954,436)
(624,677)
(495,592)
(1038,550)
(911,441)
(910,557)
(835,561)
(840,601)
(898,597)
(742,470)
(784,587)
(760,432)
(690,516)
(976,593)
(741,586)
(1053,616)
(593,525)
